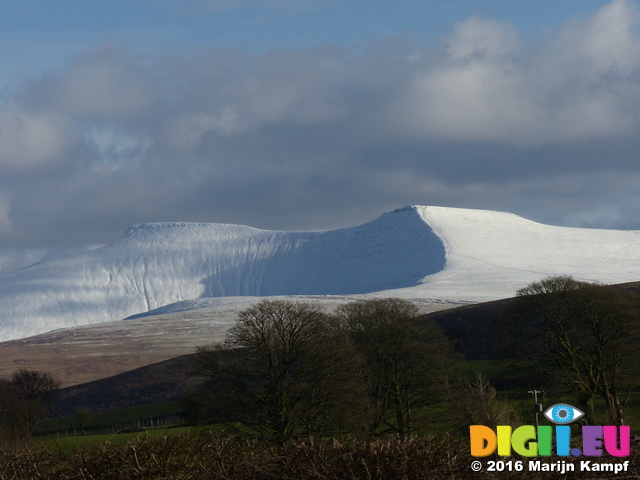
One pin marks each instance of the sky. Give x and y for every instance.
(312, 114)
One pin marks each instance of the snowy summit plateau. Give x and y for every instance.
(427, 254)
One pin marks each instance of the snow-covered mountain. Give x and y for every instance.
(442, 254)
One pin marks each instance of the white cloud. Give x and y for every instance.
(480, 119)
(487, 39)
(30, 141)
(115, 148)
(186, 132)
(478, 92)
(608, 40)
(478, 100)
(105, 83)
(581, 82)
(6, 224)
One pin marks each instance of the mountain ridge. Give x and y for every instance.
(440, 254)
(157, 264)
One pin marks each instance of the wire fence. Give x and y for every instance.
(164, 421)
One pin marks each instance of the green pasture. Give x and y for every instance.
(125, 416)
(68, 435)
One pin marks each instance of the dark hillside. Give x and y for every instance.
(470, 326)
(160, 382)
(631, 286)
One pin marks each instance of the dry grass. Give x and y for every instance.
(91, 352)
(205, 456)
(88, 353)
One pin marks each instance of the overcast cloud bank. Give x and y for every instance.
(322, 138)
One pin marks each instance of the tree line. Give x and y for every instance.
(575, 337)
(369, 368)
(24, 399)
(291, 369)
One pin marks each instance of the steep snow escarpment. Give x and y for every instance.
(492, 254)
(161, 263)
(432, 254)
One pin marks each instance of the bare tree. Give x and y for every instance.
(407, 360)
(581, 336)
(475, 401)
(80, 417)
(282, 371)
(24, 400)
(36, 385)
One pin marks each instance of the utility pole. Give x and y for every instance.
(537, 407)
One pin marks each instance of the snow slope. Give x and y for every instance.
(161, 263)
(492, 254)
(426, 253)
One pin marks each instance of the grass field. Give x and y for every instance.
(130, 417)
(192, 452)
(123, 423)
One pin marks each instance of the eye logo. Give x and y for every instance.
(561, 413)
